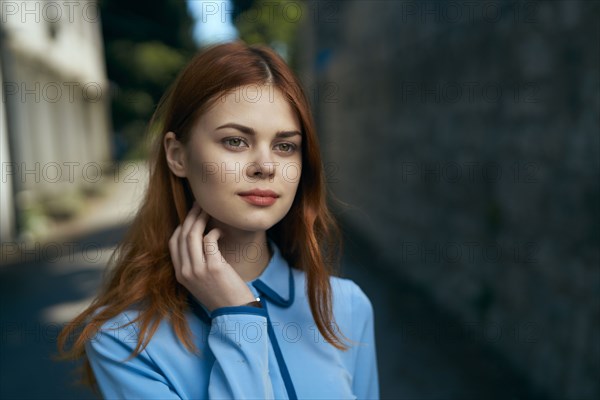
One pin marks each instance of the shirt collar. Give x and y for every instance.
(276, 283)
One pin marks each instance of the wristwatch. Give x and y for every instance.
(255, 303)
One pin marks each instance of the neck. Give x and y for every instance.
(247, 252)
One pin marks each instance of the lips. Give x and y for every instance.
(259, 193)
(259, 197)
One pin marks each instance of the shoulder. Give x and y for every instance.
(349, 290)
(121, 329)
(127, 317)
(345, 292)
(348, 295)
(349, 300)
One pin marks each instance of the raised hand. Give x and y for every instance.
(200, 267)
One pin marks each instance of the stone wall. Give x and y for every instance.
(465, 138)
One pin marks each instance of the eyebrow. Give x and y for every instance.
(249, 131)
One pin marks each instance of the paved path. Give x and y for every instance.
(45, 284)
(418, 358)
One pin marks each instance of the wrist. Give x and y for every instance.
(255, 303)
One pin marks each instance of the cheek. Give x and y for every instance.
(202, 174)
(214, 181)
(291, 172)
(202, 164)
(222, 175)
(212, 195)
(206, 179)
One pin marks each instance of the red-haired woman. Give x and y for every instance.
(224, 286)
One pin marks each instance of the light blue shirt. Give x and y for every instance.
(275, 352)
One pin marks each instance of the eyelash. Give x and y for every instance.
(293, 147)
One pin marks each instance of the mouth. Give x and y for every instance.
(259, 197)
(260, 193)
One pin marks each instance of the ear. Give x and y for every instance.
(175, 153)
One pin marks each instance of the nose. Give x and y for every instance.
(262, 165)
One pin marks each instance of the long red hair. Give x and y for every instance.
(143, 276)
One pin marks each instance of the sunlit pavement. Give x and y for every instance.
(39, 294)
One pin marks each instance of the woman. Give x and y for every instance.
(224, 286)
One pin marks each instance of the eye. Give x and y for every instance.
(288, 147)
(234, 142)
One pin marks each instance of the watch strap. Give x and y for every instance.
(255, 303)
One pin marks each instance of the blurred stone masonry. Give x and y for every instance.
(442, 86)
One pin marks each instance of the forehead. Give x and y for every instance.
(263, 107)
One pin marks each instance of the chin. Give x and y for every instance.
(249, 224)
(256, 226)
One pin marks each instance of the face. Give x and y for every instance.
(250, 139)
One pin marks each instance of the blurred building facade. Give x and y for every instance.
(55, 122)
(464, 136)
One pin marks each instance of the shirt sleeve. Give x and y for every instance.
(366, 377)
(238, 339)
(240, 343)
(137, 378)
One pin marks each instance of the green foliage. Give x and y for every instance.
(157, 63)
(274, 23)
(146, 44)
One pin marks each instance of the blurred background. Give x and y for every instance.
(462, 136)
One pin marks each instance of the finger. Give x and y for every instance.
(174, 249)
(190, 219)
(211, 248)
(184, 255)
(195, 240)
